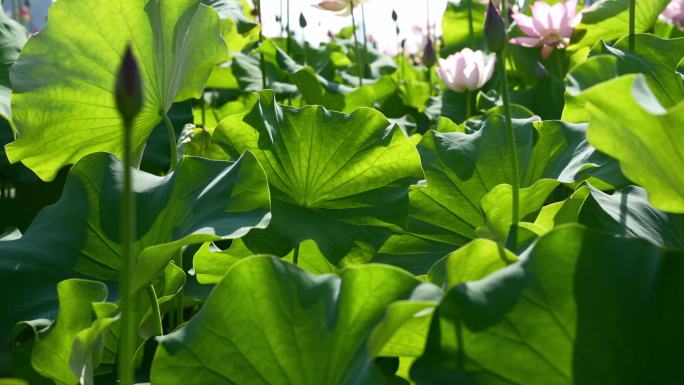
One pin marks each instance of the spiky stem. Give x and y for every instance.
(512, 147)
(471, 29)
(156, 314)
(632, 25)
(295, 257)
(128, 230)
(364, 58)
(172, 141)
(356, 43)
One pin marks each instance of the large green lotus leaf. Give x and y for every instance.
(462, 168)
(629, 124)
(63, 103)
(628, 213)
(298, 329)
(340, 180)
(581, 308)
(455, 27)
(655, 58)
(609, 19)
(78, 236)
(70, 352)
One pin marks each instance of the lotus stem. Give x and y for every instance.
(288, 32)
(364, 59)
(632, 25)
(172, 141)
(156, 314)
(179, 297)
(469, 103)
(512, 148)
(471, 30)
(128, 230)
(295, 257)
(16, 7)
(282, 28)
(504, 12)
(460, 357)
(559, 63)
(356, 43)
(262, 62)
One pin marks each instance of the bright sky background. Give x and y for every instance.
(378, 18)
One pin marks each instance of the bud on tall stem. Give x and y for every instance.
(496, 37)
(129, 101)
(494, 29)
(129, 89)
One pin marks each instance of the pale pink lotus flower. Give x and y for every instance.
(341, 7)
(466, 70)
(416, 41)
(550, 26)
(674, 14)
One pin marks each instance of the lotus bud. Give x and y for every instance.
(429, 54)
(494, 29)
(129, 88)
(302, 21)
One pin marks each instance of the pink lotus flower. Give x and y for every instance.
(416, 41)
(341, 7)
(466, 70)
(674, 13)
(549, 26)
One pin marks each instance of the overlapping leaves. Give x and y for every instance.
(201, 201)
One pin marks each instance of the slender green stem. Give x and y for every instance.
(632, 25)
(128, 230)
(460, 357)
(356, 43)
(288, 44)
(559, 63)
(172, 141)
(156, 314)
(282, 28)
(17, 10)
(504, 12)
(204, 112)
(428, 77)
(469, 103)
(262, 61)
(364, 58)
(295, 257)
(471, 30)
(179, 297)
(512, 147)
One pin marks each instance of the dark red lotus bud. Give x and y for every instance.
(429, 54)
(494, 29)
(129, 87)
